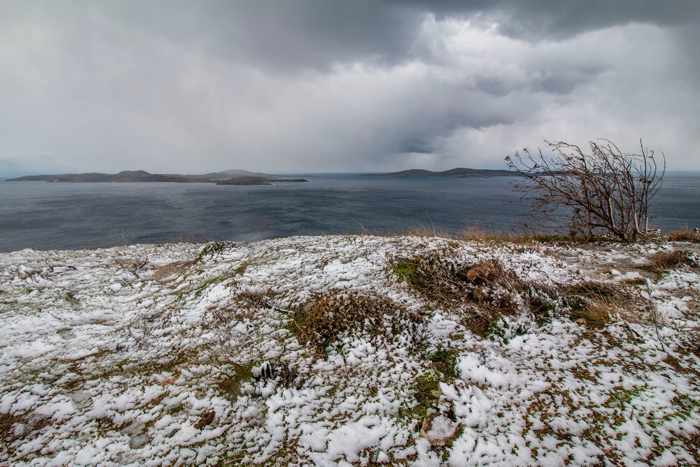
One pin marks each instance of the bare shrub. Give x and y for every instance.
(607, 192)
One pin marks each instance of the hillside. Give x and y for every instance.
(351, 350)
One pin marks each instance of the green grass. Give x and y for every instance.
(211, 249)
(426, 394)
(405, 271)
(445, 361)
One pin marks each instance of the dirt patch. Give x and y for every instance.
(14, 427)
(205, 419)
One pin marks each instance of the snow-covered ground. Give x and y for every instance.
(146, 355)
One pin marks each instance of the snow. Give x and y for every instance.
(103, 364)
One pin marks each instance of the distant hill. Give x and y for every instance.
(227, 177)
(458, 172)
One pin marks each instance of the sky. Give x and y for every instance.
(317, 85)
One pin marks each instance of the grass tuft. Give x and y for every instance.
(211, 249)
(71, 298)
(321, 321)
(482, 292)
(668, 260)
(595, 303)
(685, 235)
(445, 361)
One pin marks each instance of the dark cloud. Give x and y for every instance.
(321, 85)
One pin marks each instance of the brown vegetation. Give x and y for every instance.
(685, 235)
(326, 317)
(595, 303)
(167, 270)
(482, 292)
(606, 191)
(667, 260)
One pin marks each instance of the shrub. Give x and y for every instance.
(606, 191)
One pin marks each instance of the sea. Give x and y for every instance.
(41, 215)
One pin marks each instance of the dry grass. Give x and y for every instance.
(478, 235)
(438, 279)
(29, 425)
(325, 318)
(595, 303)
(596, 314)
(667, 260)
(475, 234)
(685, 235)
(167, 270)
(481, 292)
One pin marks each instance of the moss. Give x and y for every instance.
(425, 394)
(405, 271)
(70, 298)
(620, 397)
(445, 361)
(426, 391)
(501, 330)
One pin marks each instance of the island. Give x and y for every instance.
(458, 172)
(227, 177)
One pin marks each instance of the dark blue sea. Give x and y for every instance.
(44, 215)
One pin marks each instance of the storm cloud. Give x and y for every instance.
(313, 85)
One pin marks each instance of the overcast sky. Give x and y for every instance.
(319, 85)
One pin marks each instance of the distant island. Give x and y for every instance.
(459, 172)
(227, 177)
(240, 177)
